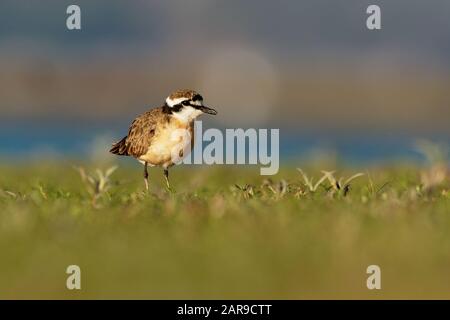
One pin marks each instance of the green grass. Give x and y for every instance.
(213, 239)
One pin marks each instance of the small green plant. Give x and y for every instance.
(309, 182)
(277, 189)
(7, 193)
(247, 191)
(341, 185)
(96, 184)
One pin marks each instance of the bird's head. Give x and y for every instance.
(186, 105)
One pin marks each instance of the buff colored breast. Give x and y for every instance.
(170, 144)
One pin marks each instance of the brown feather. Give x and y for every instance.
(140, 134)
(119, 148)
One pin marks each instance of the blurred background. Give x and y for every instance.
(310, 68)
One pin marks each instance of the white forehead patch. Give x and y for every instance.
(172, 102)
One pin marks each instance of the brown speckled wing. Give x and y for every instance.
(142, 131)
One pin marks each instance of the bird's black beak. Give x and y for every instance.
(208, 110)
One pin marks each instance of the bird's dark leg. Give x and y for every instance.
(146, 176)
(166, 175)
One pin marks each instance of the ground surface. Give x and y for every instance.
(223, 233)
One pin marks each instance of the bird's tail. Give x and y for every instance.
(120, 148)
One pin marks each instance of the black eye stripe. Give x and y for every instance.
(188, 103)
(177, 107)
(167, 109)
(195, 106)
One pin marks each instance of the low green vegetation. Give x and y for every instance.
(225, 232)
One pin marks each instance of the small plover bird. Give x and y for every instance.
(154, 137)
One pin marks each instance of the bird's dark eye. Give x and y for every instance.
(185, 103)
